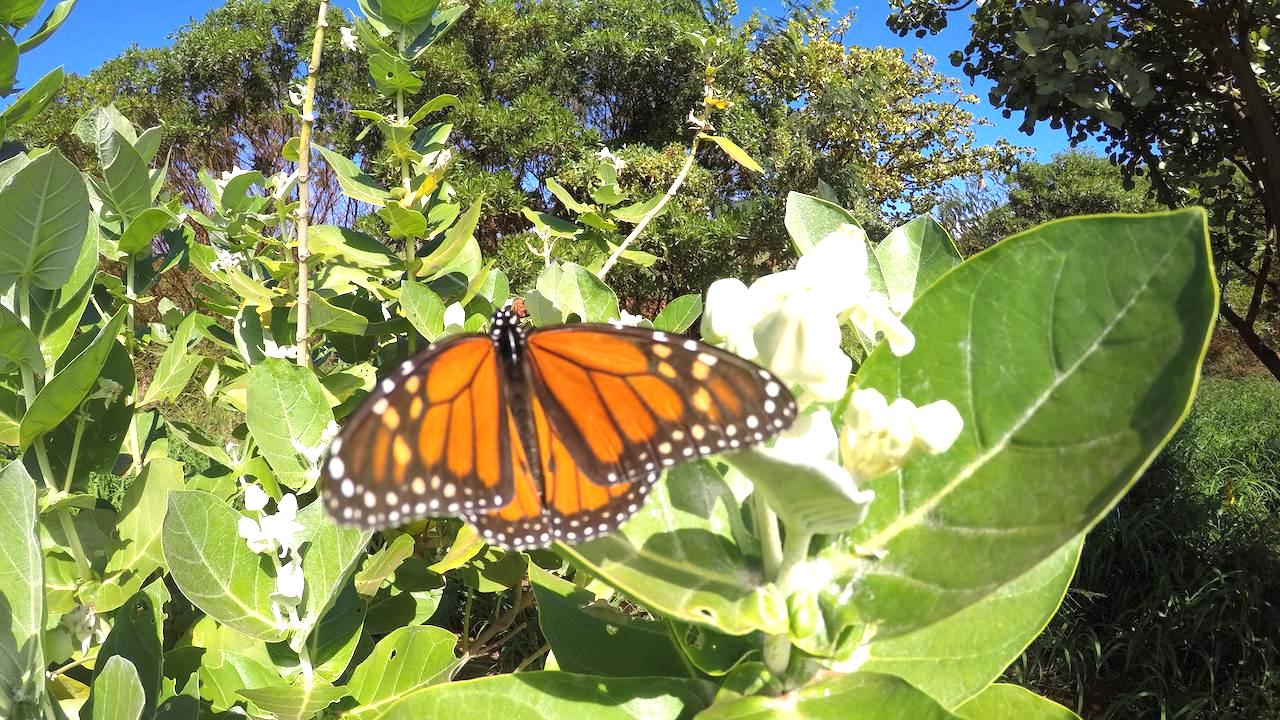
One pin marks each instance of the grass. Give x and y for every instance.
(1172, 614)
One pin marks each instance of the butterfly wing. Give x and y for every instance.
(627, 402)
(430, 439)
(569, 506)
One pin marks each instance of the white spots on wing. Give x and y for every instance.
(347, 488)
(731, 430)
(370, 499)
(772, 389)
(379, 406)
(690, 345)
(770, 406)
(336, 467)
(753, 422)
(392, 498)
(707, 359)
(698, 432)
(664, 448)
(677, 435)
(388, 385)
(336, 446)
(418, 486)
(406, 367)
(659, 336)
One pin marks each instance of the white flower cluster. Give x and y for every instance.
(348, 39)
(271, 533)
(85, 627)
(790, 322)
(606, 156)
(225, 260)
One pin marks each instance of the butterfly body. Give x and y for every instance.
(543, 435)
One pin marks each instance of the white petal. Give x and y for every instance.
(937, 425)
(255, 498)
(455, 314)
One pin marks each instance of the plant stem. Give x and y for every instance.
(77, 549)
(75, 452)
(406, 181)
(304, 183)
(777, 648)
(644, 221)
(130, 280)
(29, 389)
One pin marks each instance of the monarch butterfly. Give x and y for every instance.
(551, 434)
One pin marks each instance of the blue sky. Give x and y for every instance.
(100, 29)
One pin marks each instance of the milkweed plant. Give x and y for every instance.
(963, 423)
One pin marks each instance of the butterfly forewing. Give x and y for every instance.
(628, 402)
(430, 439)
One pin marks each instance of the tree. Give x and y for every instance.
(1187, 93)
(1072, 183)
(542, 85)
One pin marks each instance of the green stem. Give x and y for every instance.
(77, 549)
(130, 280)
(406, 181)
(75, 452)
(29, 388)
(777, 648)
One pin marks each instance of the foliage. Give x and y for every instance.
(541, 86)
(1072, 183)
(836, 572)
(1170, 612)
(1185, 93)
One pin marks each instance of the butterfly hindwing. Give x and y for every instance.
(573, 507)
(428, 440)
(628, 402)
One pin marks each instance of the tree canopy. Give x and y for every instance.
(544, 84)
(1185, 92)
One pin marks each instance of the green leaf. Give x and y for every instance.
(214, 567)
(913, 256)
(286, 403)
(295, 702)
(71, 384)
(587, 636)
(393, 75)
(330, 555)
(118, 691)
(438, 102)
(101, 421)
(635, 212)
(8, 62)
(408, 17)
(55, 314)
(405, 223)
(678, 557)
(1091, 332)
(860, 696)
(819, 496)
(956, 658)
(423, 308)
(455, 239)
(558, 227)
(139, 525)
(178, 363)
(732, 149)
(223, 674)
(325, 316)
(128, 181)
(440, 24)
(236, 195)
(810, 219)
(679, 314)
(406, 660)
(334, 641)
(1010, 702)
(46, 210)
(571, 290)
(351, 247)
(549, 695)
(565, 197)
(382, 564)
(18, 346)
(355, 183)
(21, 588)
(35, 99)
(135, 637)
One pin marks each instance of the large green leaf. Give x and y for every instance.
(423, 308)
(21, 589)
(57, 16)
(913, 256)
(352, 247)
(295, 702)
(223, 673)
(286, 403)
(331, 554)
(45, 207)
(18, 346)
(55, 314)
(406, 660)
(588, 637)
(455, 240)
(353, 180)
(860, 696)
(380, 565)
(568, 290)
(549, 695)
(135, 636)
(8, 61)
(178, 363)
(214, 567)
(956, 658)
(679, 314)
(36, 98)
(127, 179)
(139, 525)
(1010, 702)
(118, 692)
(142, 230)
(678, 557)
(101, 422)
(68, 388)
(1072, 352)
(809, 219)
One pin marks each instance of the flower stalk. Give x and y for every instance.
(304, 183)
(654, 212)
